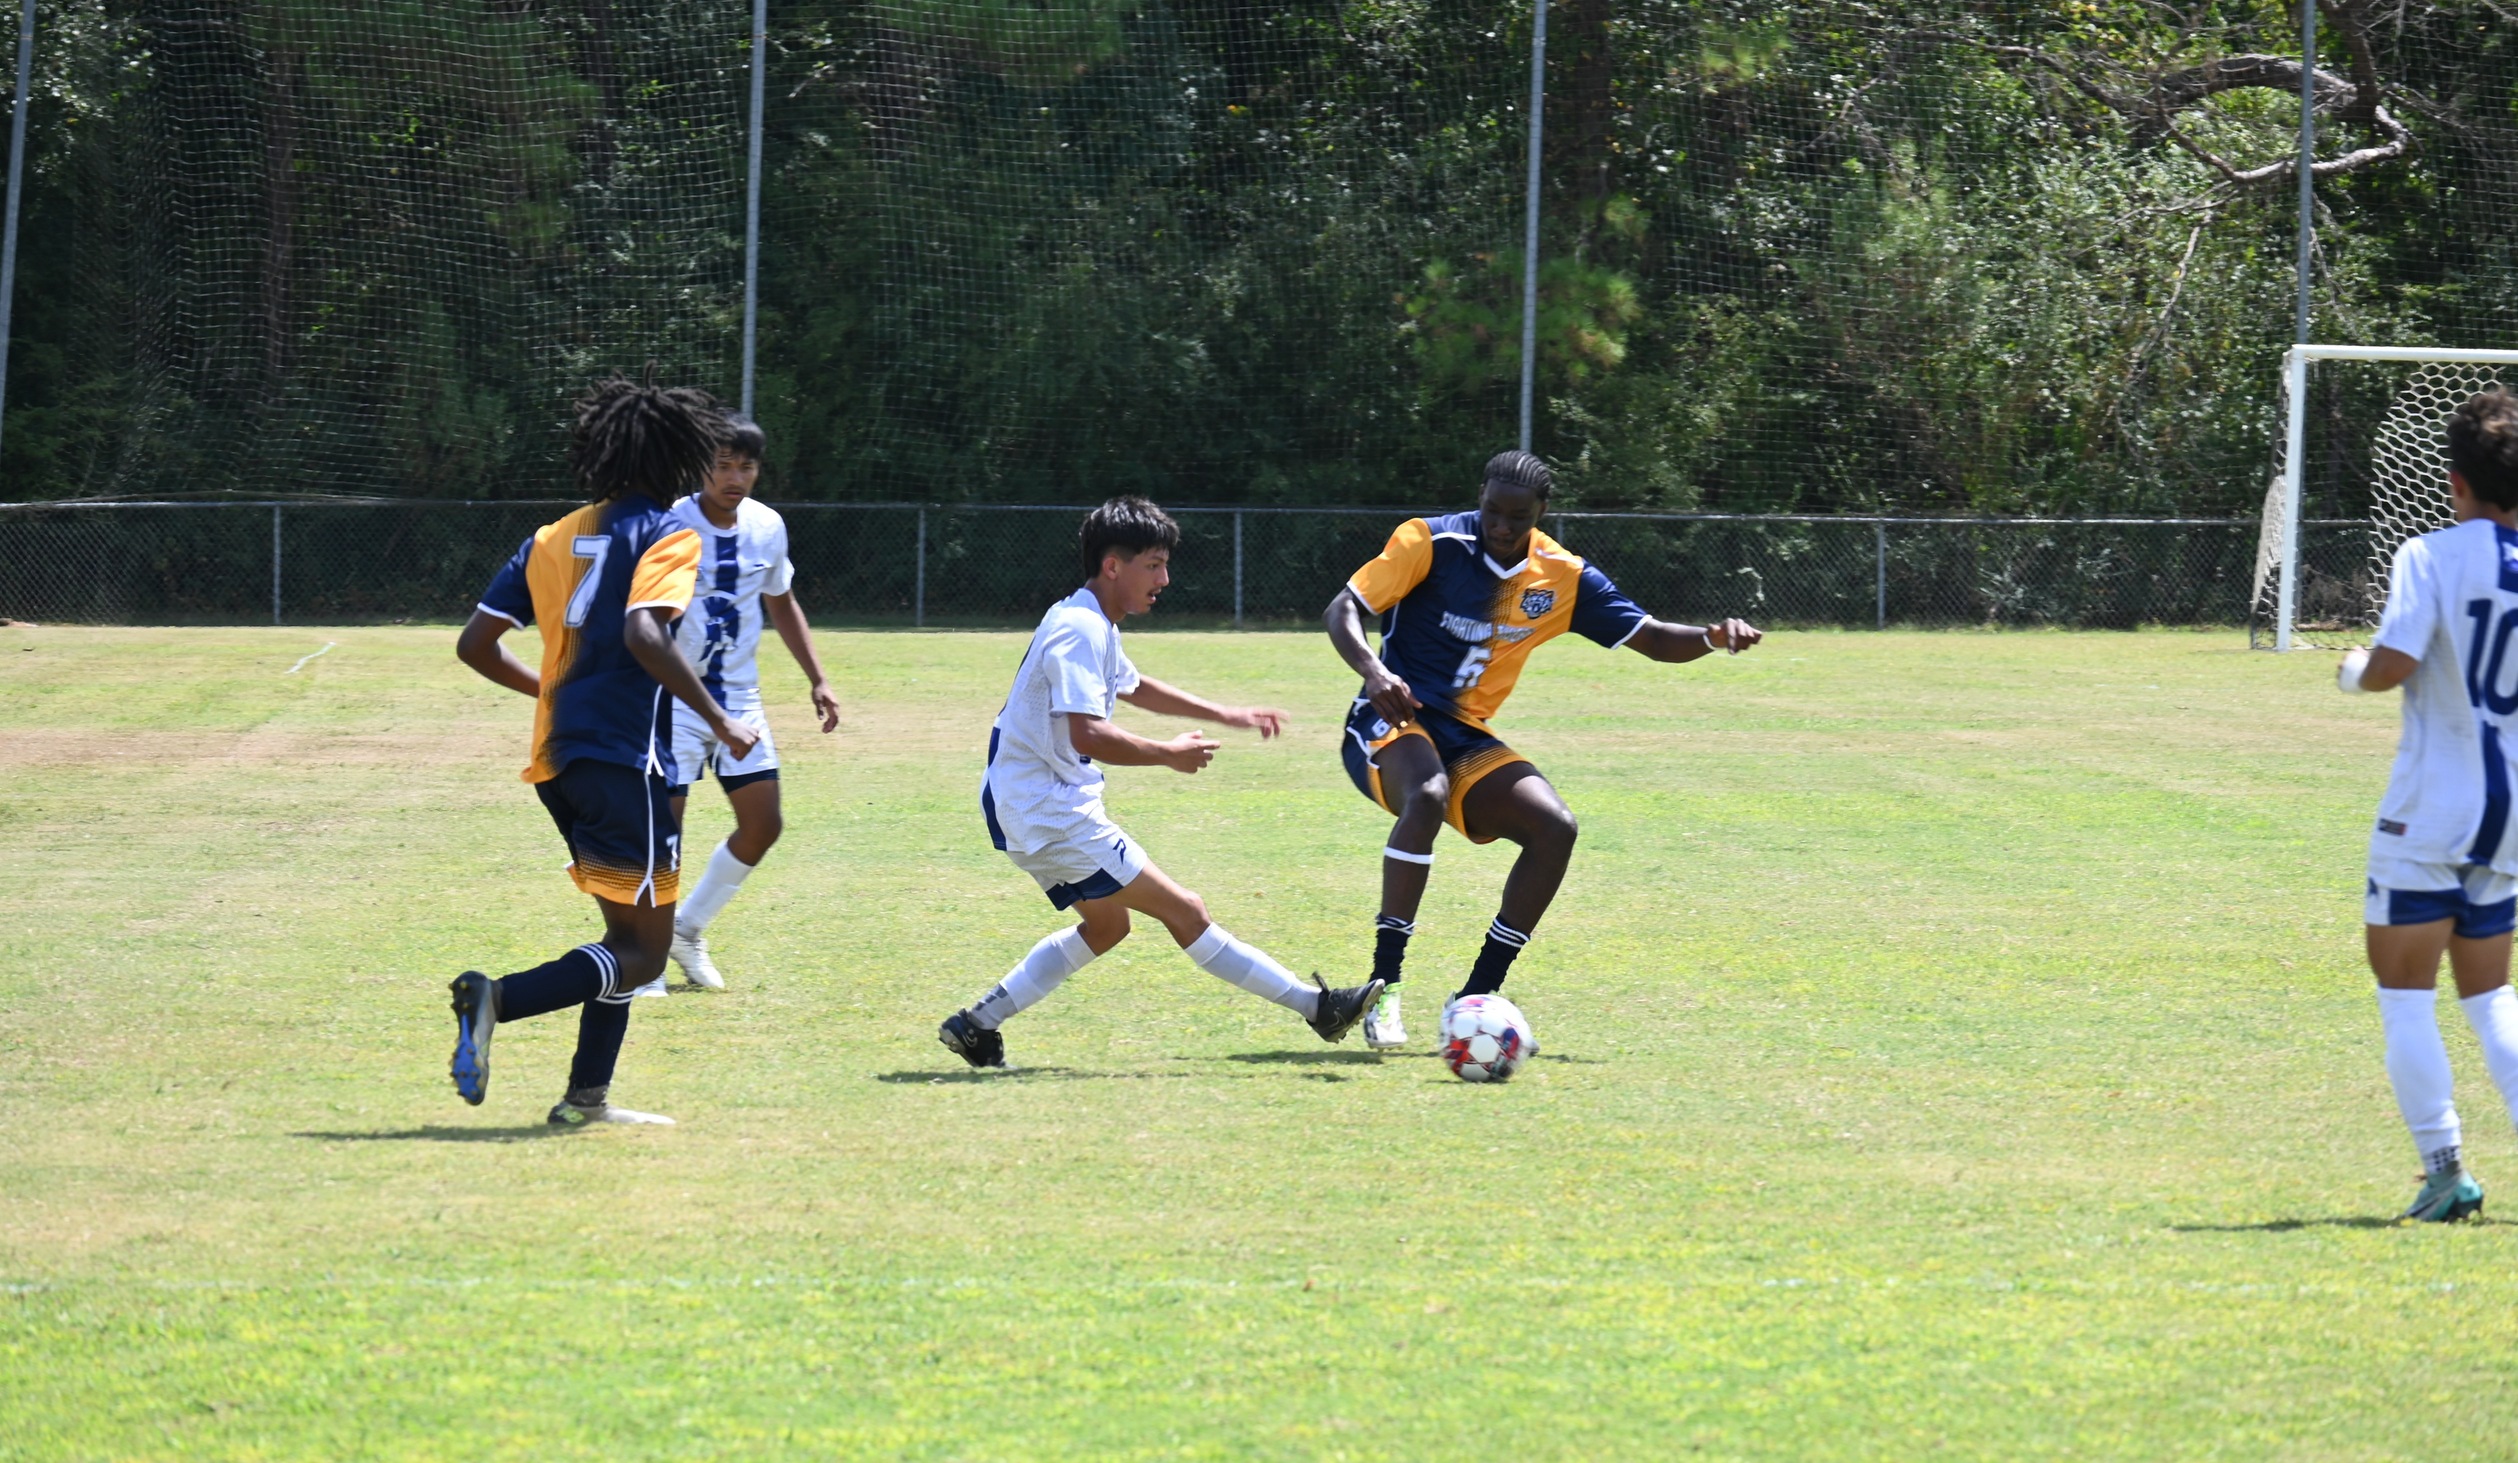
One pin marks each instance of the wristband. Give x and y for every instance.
(2347, 676)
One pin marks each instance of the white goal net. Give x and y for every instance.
(2317, 588)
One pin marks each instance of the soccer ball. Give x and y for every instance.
(1486, 1038)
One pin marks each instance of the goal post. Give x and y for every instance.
(2407, 481)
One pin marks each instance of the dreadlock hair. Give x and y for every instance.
(1522, 470)
(2483, 446)
(638, 437)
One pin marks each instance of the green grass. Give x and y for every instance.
(1955, 1044)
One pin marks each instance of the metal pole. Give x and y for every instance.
(2307, 166)
(17, 175)
(918, 600)
(752, 201)
(1237, 571)
(1530, 229)
(2295, 448)
(1879, 533)
(275, 563)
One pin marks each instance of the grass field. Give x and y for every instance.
(1954, 1044)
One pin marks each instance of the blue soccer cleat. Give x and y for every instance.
(2446, 1197)
(476, 1016)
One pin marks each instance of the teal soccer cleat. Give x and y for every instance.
(2446, 1197)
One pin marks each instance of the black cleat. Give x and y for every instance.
(476, 1016)
(1341, 1009)
(968, 1040)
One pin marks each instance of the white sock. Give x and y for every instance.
(2494, 1017)
(1248, 966)
(2417, 1063)
(1033, 976)
(724, 875)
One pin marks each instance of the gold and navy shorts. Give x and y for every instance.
(624, 845)
(1468, 754)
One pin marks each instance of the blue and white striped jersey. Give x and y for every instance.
(2452, 604)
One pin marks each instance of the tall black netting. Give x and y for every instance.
(369, 248)
(1945, 256)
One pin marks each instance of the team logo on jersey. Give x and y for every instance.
(1537, 602)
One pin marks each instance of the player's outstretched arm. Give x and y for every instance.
(649, 635)
(1389, 694)
(1104, 741)
(1152, 695)
(788, 616)
(1679, 644)
(482, 647)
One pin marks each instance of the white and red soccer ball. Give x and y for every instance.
(1486, 1038)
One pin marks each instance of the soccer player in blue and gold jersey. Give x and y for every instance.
(1463, 599)
(605, 584)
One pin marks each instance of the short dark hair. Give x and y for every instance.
(2483, 446)
(638, 437)
(1518, 469)
(743, 437)
(1126, 526)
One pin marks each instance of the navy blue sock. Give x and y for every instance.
(600, 1027)
(1495, 960)
(581, 975)
(1390, 947)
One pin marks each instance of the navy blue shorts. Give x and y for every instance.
(1468, 754)
(623, 843)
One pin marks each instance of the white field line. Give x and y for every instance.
(301, 660)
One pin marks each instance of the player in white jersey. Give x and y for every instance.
(744, 578)
(2443, 858)
(1041, 795)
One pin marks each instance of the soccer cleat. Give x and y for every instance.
(1341, 1009)
(690, 951)
(972, 1042)
(1382, 1030)
(2449, 1195)
(568, 1114)
(476, 1016)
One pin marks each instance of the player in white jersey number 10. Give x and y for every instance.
(2443, 858)
(745, 581)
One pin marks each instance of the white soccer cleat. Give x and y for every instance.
(652, 988)
(570, 1115)
(690, 951)
(1382, 1030)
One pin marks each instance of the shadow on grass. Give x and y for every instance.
(439, 1135)
(1006, 1074)
(1307, 1058)
(2332, 1221)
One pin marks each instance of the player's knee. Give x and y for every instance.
(764, 830)
(1555, 830)
(1426, 801)
(1193, 915)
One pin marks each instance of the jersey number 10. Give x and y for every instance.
(2483, 671)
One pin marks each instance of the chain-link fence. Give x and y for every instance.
(998, 565)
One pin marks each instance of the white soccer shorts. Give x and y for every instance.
(1092, 861)
(2482, 901)
(696, 748)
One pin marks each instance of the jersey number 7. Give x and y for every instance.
(595, 547)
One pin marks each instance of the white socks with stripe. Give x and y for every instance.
(724, 875)
(2494, 1017)
(1247, 966)
(2417, 1065)
(1034, 976)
